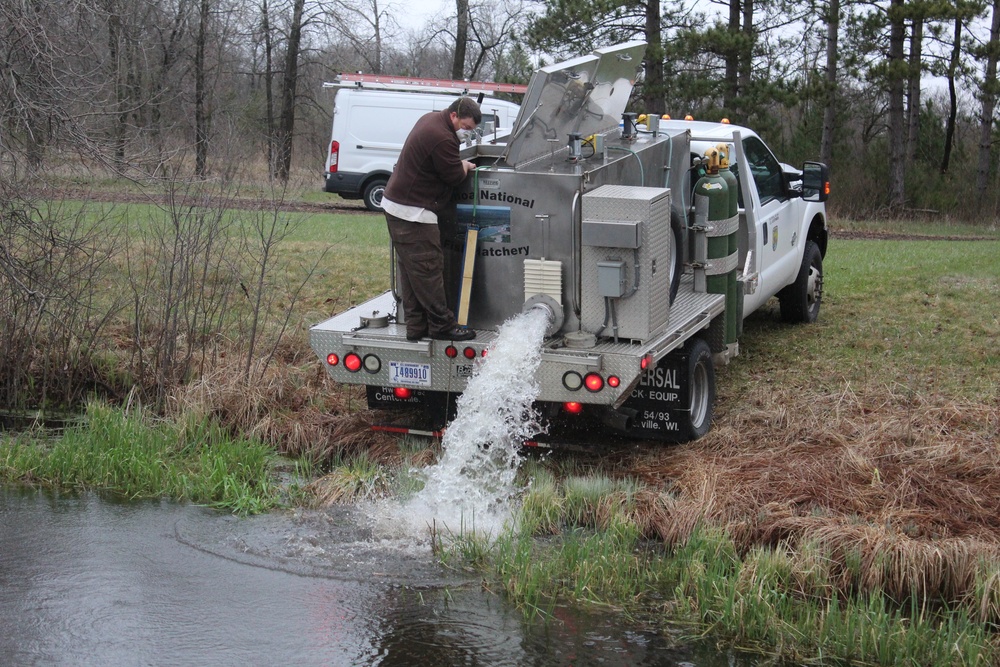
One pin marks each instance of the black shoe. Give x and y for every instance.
(455, 334)
(413, 339)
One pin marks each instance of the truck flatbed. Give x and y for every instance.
(691, 312)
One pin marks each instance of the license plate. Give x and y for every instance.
(408, 372)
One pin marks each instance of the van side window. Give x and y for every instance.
(765, 169)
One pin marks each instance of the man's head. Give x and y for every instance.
(465, 114)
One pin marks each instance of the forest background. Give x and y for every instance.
(897, 96)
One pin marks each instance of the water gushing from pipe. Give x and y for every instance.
(472, 486)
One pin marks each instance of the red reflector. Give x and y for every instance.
(573, 407)
(352, 362)
(469, 353)
(593, 382)
(644, 364)
(484, 351)
(451, 352)
(613, 381)
(332, 359)
(402, 393)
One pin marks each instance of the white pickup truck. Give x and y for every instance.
(644, 264)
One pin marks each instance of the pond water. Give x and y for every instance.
(86, 580)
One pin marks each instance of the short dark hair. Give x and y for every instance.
(466, 107)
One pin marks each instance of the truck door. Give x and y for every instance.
(777, 233)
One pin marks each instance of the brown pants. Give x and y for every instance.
(420, 276)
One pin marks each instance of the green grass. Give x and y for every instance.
(912, 314)
(773, 600)
(130, 456)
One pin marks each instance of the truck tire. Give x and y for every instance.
(373, 195)
(701, 390)
(800, 301)
(676, 267)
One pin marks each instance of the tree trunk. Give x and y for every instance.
(288, 85)
(913, 94)
(830, 108)
(461, 39)
(989, 100)
(746, 48)
(652, 86)
(949, 133)
(272, 167)
(116, 56)
(733, 52)
(897, 116)
(200, 115)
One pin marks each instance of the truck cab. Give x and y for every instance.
(781, 210)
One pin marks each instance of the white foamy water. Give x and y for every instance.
(472, 486)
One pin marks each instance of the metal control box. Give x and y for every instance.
(642, 309)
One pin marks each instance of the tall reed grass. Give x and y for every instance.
(783, 600)
(129, 454)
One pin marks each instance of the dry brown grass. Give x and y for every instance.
(900, 490)
(296, 408)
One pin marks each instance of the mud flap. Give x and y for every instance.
(661, 404)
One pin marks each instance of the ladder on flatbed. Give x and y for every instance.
(389, 82)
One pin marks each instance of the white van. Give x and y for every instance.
(370, 126)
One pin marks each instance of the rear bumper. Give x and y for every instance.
(344, 184)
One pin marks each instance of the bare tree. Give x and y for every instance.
(365, 25)
(897, 77)
(830, 80)
(988, 97)
(461, 38)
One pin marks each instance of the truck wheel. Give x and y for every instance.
(701, 389)
(800, 301)
(373, 195)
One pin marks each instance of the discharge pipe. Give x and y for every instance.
(553, 311)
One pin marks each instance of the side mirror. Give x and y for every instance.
(815, 182)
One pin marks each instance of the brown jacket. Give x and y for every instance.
(429, 165)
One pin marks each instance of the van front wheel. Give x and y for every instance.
(373, 195)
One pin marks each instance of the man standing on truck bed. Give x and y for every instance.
(418, 191)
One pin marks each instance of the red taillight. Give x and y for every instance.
(469, 353)
(402, 393)
(613, 381)
(592, 381)
(644, 363)
(334, 156)
(451, 352)
(332, 359)
(352, 362)
(573, 407)
(485, 350)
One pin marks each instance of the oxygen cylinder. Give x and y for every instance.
(735, 295)
(720, 276)
(730, 178)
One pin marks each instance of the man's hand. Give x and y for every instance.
(468, 166)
